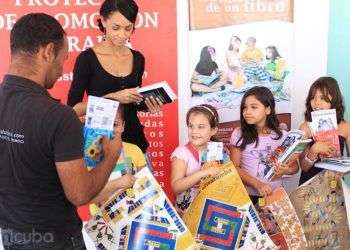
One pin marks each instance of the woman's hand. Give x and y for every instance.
(154, 105)
(126, 96)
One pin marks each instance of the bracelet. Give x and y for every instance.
(309, 160)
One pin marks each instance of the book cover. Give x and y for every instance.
(319, 204)
(346, 193)
(339, 164)
(222, 215)
(99, 122)
(291, 146)
(160, 90)
(141, 217)
(281, 221)
(324, 128)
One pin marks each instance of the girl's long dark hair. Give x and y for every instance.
(275, 54)
(206, 65)
(249, 132)
(328, 86)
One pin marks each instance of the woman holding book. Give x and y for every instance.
(324, 94)
(113, 70)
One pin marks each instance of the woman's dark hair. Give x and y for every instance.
(230, 47)
(206, 65)
(274, 53)
(34, 30)
(329, 87)
(209, 111)
(249, 131)
(128, 8)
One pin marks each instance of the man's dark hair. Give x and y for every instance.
(34, 30)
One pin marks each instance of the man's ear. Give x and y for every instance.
(48, 52)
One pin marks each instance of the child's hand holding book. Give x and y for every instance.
(323, 148)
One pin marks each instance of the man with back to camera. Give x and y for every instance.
(42, 173)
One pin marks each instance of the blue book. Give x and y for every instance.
(99, 122)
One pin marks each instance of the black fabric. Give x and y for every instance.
(35, 132)
(90, 77)
(305, 176)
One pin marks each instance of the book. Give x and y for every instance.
(292, 146)
(214, 152)
(324, 128)
(319, 204)
(208, 80)
(339, 164)
(346, 193)
(222, 215)
(99, 121)
(281, 221)
(161, 90)
(141, 217)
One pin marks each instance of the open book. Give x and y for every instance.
(99, 122)
(208, 80)
(161, 90)
(292, 145)
(324, 128)
(339, 164)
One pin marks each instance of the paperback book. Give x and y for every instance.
(339, 164)
(281, 221)
(99, 122)
(319, 204)
(160, 90)
(292, 146)
(138, 218)
(324, 128)
(222, 215)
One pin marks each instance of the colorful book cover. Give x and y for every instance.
(281, 221)
(291, 146)
(346, 193)
(319, 204)
(99, 122)
(222, 215)
(139, 218)
(324, 128)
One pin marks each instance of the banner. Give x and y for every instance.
(141, 217)
(155, 37)
(223, 216)
(234, 46)
(213, 13)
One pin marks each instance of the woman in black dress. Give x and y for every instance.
(112, 70)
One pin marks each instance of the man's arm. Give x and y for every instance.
(81, 185)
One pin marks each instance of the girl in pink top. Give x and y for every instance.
(202, 122)
(253, 142)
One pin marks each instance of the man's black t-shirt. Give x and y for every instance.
(35, 132)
